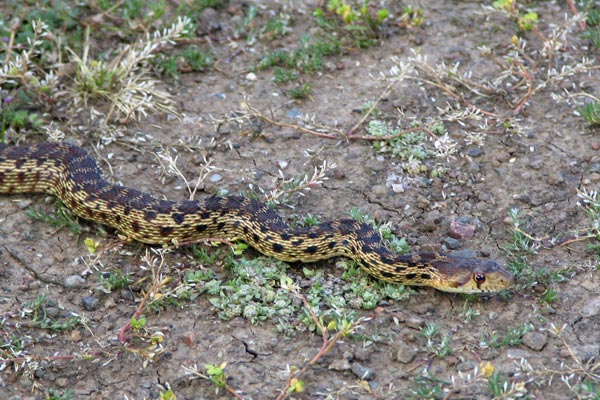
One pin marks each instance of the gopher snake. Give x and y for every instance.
(71, 174)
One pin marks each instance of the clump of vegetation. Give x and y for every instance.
(525, 21)
(362, 23)
(591, 112)
(592, 31)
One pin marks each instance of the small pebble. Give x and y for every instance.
(595, 167)
(53, 312)
(536, 163)
(535, 340)
(214, 178)
(475, 152)
(362, 372)
(282, 164)
(341, 364)
(404, 353)
(74, 281)
(90, 303)
(415, 323)
(62, 382)
(251, 76)
(451, 243)
(23, 204)
(462, 228)
(40, 373)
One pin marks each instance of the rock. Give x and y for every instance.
(90, 303)
(53, 312)
(535, 340)
(404, 353)
(74, 281)
(536, 163)
(62, 382)
(415, 323)
(282, 164)
(591, 308)
(462, 228)
(214, 178)
(475, 152)
(341, 364)
(451, 243)
(362, 372)
(208, 21)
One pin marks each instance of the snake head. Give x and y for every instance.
(469, 275)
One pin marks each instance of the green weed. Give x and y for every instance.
(591, 112)
(512, 337)
(114, 280)
(62, 218)
(36, 311)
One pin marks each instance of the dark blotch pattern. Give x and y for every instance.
(201, 227)
(311, 250)
(135, 226)
(277, 248)
(178, 218)
(166, 230)
(150, 215)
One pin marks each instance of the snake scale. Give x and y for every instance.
(69, 173)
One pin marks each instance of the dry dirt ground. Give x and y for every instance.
(533, 157)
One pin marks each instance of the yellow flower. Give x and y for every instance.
(487, 369)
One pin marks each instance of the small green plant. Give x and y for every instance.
(216, 373)
(525, 21)
(301, 92)
(114, 280)
(36, 311)
(592, 32)
(550, 296)
(282, 75)
(63, 218)
(428, 387)
(410, 147)
(591, 112)
(440, 346)
(206, 256)
(54, 394)
(137, 324)
(497, 384)
(469, 313)
(196, 59)
(360, 22)
(590, 389)
(512, 337)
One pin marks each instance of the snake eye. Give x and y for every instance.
(479, 278)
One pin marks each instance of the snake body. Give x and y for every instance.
(69, 173)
